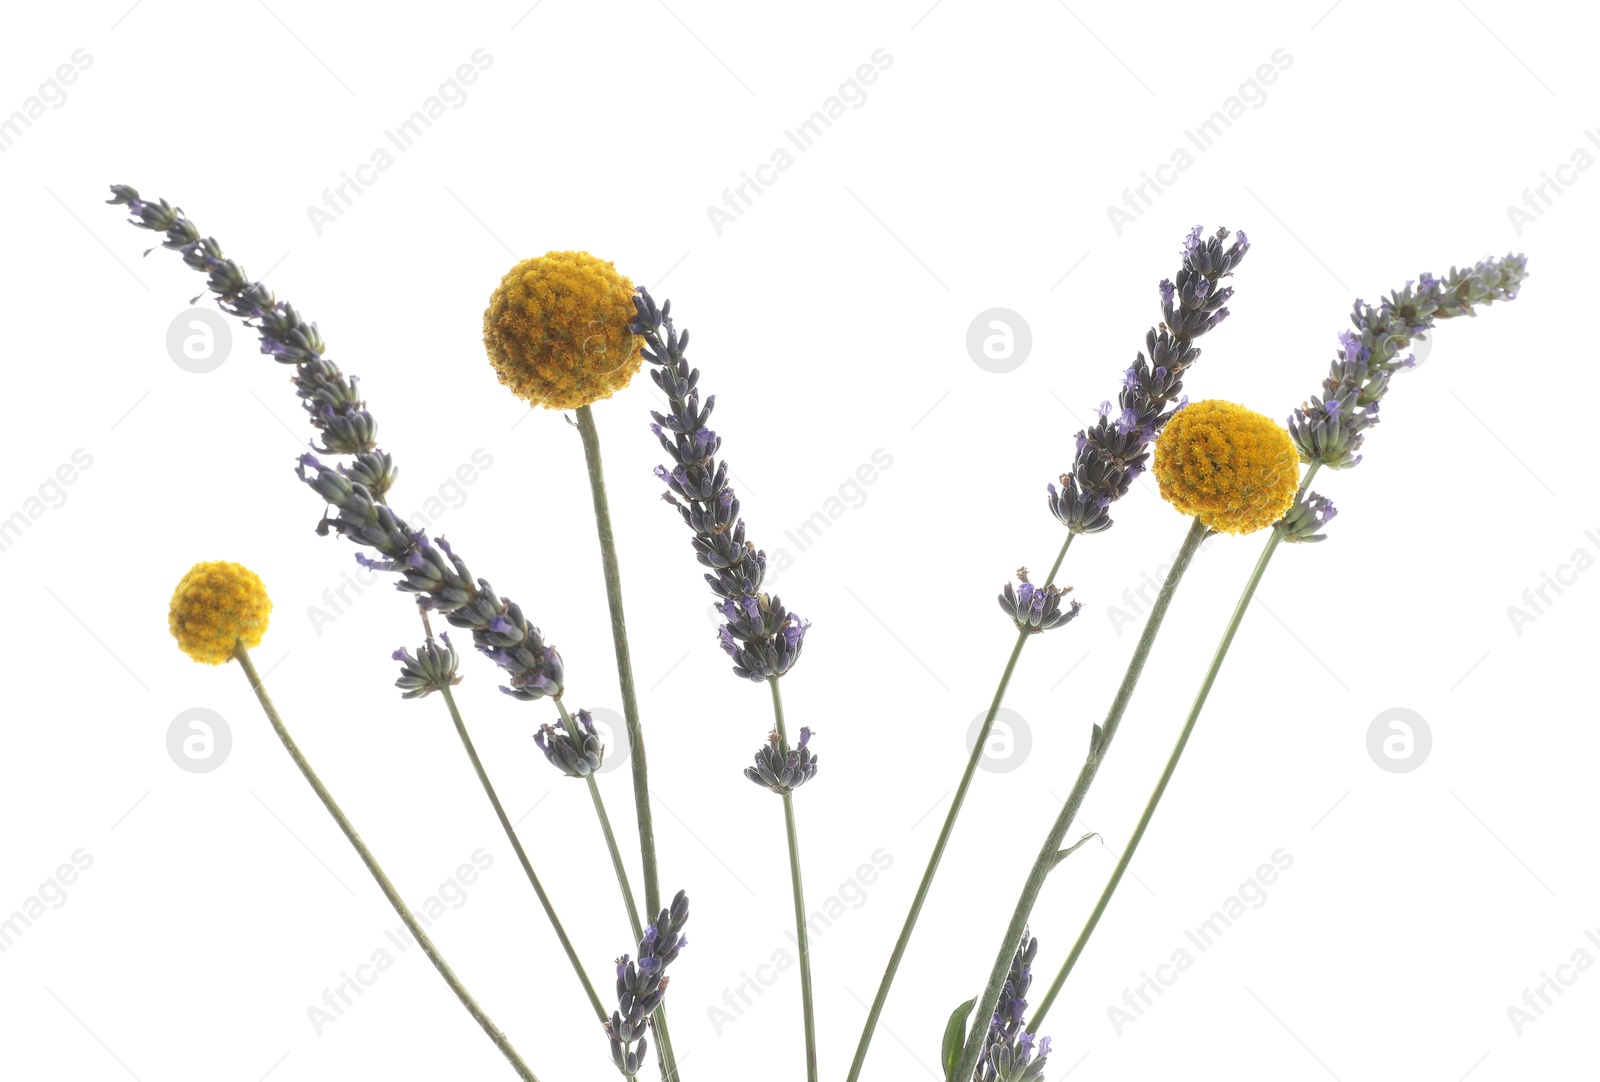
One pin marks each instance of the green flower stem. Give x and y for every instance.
(500, 1040)
(619, 641)
(1098, 745)
(1172, 764)
(630, 704)
(527, 866)
(944, 837)
(802, 936)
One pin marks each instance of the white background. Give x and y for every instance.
(830, 322)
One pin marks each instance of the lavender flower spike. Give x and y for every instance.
(1113, 452)
(1328, 429)
(432, 570)
(1009, 1054)
(761, 636)
(642, 984)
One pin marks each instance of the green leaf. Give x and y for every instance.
(955, 1038)
(1069, 850)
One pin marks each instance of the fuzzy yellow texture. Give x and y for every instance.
(557, 330)
(1234, 469)
(216, 605)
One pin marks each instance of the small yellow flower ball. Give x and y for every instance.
(216, 605)
(557, 330)
(1234, 469)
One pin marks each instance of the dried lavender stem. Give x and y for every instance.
(944, 837)
(1046, 860)
(501, 1041)
(802, 936)
(522, 856)
(1172, 761)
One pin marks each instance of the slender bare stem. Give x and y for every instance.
(802, 938)
(412, 924)
(522, 857)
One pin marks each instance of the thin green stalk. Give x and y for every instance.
(932, 869)
(630, 703)
(619, 641)
(522, 856)
(500, 1040)
(1098, 745)
(1172, 764)
(802, 936)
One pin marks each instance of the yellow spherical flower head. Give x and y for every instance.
(557, 330)
(1234, 469)
(216, 605)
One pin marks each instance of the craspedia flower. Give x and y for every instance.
(557, 330)
(1232, 468)
(216, 605)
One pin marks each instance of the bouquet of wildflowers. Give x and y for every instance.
(565, 331)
